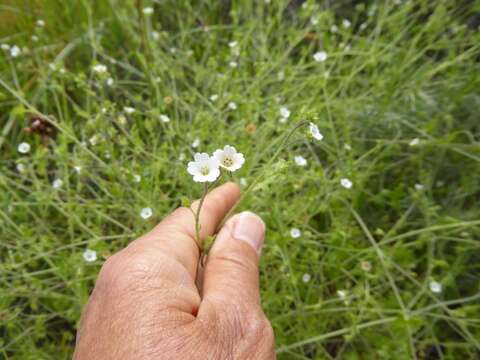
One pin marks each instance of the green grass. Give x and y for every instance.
(412, 71)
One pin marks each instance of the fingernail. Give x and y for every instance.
(250, 228)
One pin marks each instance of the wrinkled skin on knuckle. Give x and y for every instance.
(238, 332)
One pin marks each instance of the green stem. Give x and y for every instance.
(197, 216)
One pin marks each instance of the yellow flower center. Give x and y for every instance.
(227, 161)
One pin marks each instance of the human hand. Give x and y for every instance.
(146, 303)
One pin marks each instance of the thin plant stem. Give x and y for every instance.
(197, 217)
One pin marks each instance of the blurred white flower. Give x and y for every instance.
(347, 147)
(320, 56)
(100, 68)
(23, 148)
(232, 105)
(419, 187)
(414, 142)
(128, 109)
(155, 35)
(146, 213)
(214, 97)
(15, 51)
(137, 178)
(204, 168)
(306, 277)
(78, 169)
(40, 23)
(20, 167)
(164, 118)
(196, 143)
(5, 47)
(363, 26)
(243, 182)
(295, 233)
(342, 294)
(233, 64)
(233, 44)
(334, 29)
(315, 132)
(300, 160)
(435, 287)
(109, 81)
(57, 183)
(284, 112)
(366, 265)
(313, 20)
(346, 23)
(148, 11)
(93, 140)
(346, 183)
(90, 255)
(34, 38)
(181, 157)
(229, 158)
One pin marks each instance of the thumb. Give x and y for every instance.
(231, 273)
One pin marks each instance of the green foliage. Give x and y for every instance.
(402, 70)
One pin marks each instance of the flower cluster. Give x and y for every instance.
(206, 168)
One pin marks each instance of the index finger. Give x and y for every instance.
(175, 235)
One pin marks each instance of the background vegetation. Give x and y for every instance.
(357, 283)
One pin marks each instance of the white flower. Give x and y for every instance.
(204, 168)
(342, 294)
(233, 44)
(214, 97)
(5, 47)
(15, 51)
(34, 38)
(346, 23)
(229, 158)
(137, 178)
(306, 277)
(40, 23)
(23, 148)
(181, 157)
(164, 118)
(233, 64)
(129, 110)
(334, 29)
(419, 187)
(320, 56)
(146, 213)
(284, 112)
(366, 265)
(93, 140)
(313, 20)
(232, 105)
(315, 132)
(243, 182)
(347, 147)
(196, 143)
(57, 183)
(300, 160)
(90, 255)
(155, 35)
(100, 68)
(295, 233)
(110, 81)
(435, 287)
(414, 142)
(346, 183)
(20, 168)
(78, 169)
(148, 11)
